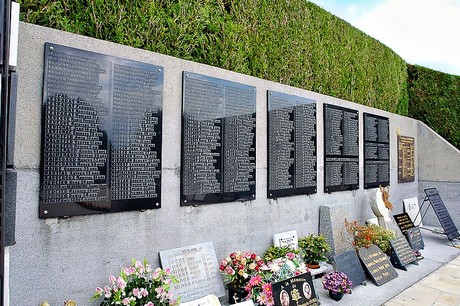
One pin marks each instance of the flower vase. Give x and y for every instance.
(335, 296)
(235, 294)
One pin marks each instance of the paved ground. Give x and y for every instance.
(435, 281)
(442, 287)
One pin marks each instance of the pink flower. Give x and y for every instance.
(254, 281)
(107, 292)
(290, 255)
(112, 279)
(121, 283)
(136, 293)
(230, 270)
(149, 304)
(267, 289)
(159, 290)
(129, 270)
(172, 302)
(99, 291)
(125, 301)
(144, 292)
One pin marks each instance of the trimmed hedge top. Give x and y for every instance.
(291, 42)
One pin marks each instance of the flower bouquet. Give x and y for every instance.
(365, 235)
(337, 283)
(259, 286)
(139, 285)
(239, 266)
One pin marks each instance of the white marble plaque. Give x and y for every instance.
(413, 210)
(209, 300)
(197, 270)
(286, 239)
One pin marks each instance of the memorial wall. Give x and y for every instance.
(106, 132)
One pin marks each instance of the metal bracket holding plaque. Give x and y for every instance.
(402, 253)
(377, 264)
(197, 270)
(218, 140)
(341, 148)
(348, 263)
(376, 151)
(294, 291)
(292, 166)
(434, 200)
(101, 133)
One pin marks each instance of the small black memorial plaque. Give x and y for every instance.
(291, 145)
(402, 253)
(341, 148)
(414, 236)
(376, 151)
(218, 143)
(441, 212)
(197, 270)
(404, 222)
(377, 264)
(294, 291)
(348, 263)
(101, 133)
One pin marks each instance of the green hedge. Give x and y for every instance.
(435, 99)
(292, 42)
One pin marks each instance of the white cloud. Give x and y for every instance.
(423, 32)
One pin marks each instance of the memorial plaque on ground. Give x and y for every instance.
(402, 253)
(101, 133)
(219, 140)
(197, 270)
(294, 291)
(404, 222)
(377, 265)
(348, 263)
(406, 159)
(289, 239)
(341, 148)
(291, 145)
(376, 151)
(414, 236)
(450, 229)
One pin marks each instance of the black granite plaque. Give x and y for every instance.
(341, 148)
(101, 133)
(404, 222)
(294, 291)
(376, 151)
(415, 239)
(291, 145)
(402, 253)
(218, 143)
(348, 263)
(377, 264)
(406, 159)
(450, 229)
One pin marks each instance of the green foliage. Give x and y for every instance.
(292, 42)
(274, 252)
(435, 100)
(314, 248)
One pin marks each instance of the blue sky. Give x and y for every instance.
(422, 32)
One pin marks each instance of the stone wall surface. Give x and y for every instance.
(66, 258)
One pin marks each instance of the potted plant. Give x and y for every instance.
(274, 252)
(314, 248)
(365, 235)
(337, 283)
(237, 269)
(139, 285)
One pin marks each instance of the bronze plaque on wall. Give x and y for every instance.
(291, 145)
(101, 133)
(406, 159)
